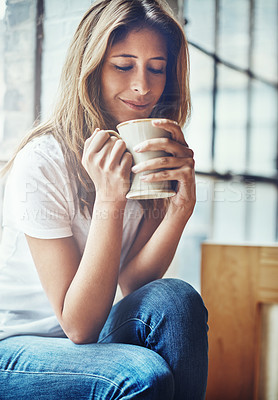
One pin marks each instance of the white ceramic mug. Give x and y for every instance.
(134, 132)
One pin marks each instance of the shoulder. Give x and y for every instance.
(39, 192)
(39, 173)
(41, 150)
(41, 158)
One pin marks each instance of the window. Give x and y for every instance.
(233, 129)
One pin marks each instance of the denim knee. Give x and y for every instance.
(177, 297)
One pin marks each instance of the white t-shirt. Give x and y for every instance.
(41, 200)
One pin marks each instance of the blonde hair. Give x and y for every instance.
(79, 111)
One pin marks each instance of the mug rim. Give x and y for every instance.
(132, 121)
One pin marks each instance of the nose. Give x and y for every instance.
(140, 83)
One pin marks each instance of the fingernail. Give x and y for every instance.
(135, 169)
(137, 148)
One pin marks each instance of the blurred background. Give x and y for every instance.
(234, 125)
(233, 129)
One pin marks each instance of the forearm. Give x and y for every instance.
(153, 260)
(155, 256)
(91, 293)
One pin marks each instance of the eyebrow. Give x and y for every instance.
(132, 56)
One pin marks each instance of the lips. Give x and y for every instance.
(135, 105)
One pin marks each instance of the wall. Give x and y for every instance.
(17, 83)
(60, 21)
(19, 71)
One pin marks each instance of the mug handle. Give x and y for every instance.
(113, 133)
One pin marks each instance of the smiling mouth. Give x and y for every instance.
(135, 105)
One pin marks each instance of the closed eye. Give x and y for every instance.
(119, 68)
(156, 71)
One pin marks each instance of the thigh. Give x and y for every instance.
(55, 368)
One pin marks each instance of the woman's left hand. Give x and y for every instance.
(179, 167)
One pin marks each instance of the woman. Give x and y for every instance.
(70, 236)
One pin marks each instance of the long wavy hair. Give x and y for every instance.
(79, 110)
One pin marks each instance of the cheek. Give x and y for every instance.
(161, 86)
(112, 86)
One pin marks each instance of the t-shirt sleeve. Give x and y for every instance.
(38, 199)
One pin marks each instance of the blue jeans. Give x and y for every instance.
(152, 346)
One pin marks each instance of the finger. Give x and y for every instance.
(118, 149)
(159, 162)
(183, 174)
(94, 133)
(165, 144)
(126, 161)
(98, 141)
(172, 127)
(88, 141)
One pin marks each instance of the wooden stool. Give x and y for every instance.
(235, 282)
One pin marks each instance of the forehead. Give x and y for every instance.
(145, 41)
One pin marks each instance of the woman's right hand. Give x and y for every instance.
(108, 164)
